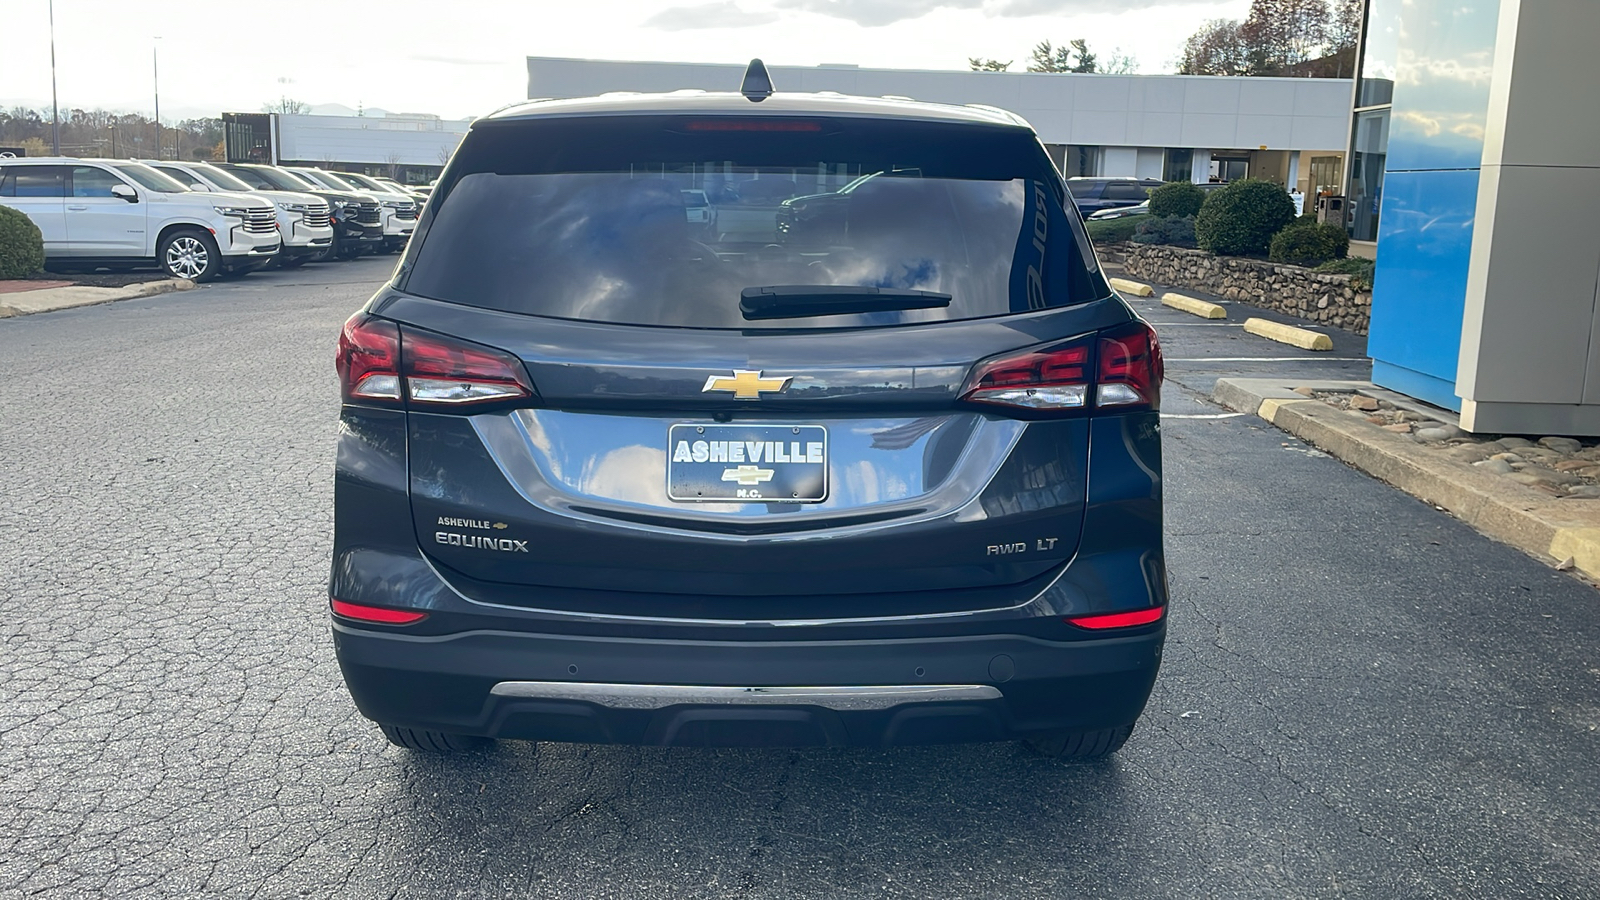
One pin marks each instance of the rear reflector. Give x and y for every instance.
(376, 613)
(1120, 620)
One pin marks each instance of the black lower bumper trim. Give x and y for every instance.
(447, 684)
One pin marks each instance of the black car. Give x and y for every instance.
(1094, 194)
(356, 219)
(896, 482)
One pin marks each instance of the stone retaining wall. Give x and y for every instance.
(1328, 299)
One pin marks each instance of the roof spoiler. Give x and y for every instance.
(757, 84)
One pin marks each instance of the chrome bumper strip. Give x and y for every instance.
(658, 696)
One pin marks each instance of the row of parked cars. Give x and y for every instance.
(200, 220)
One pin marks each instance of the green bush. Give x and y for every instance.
(1359, 270)
(1177, 198)
(1304, 219)
(1309, 245)
(21, 245)
(1173, 231)
(1240, 219)
(1111, 231)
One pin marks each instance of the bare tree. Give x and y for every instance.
(988, 65)
(444, 155)
(393, 160)
(1119, 63)
(287, 107)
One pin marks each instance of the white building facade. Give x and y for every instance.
(1169, 127)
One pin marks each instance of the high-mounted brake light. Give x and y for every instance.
(761, 124)
(447, 371)
(380, 362)
(1120, 620)
(1119, 368)
(377, 614)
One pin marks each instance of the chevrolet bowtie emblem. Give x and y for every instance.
(746, 385)
(747, 475)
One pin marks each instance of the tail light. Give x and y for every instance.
(379, 362)
(1119, 368)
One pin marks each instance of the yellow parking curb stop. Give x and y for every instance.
(1288, 334)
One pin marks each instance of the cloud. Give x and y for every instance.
(726, 14)
(887, 12)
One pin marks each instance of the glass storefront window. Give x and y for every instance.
(1178, 166)
(1381, 57)
(1370, 149)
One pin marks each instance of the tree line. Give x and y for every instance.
(1305, 38)
(1298, 38)
(99, 133)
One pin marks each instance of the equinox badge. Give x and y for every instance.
(746, 385)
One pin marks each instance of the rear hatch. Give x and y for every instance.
(884, 410)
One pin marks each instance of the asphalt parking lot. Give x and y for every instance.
(1361, 697)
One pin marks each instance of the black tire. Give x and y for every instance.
(189, 253)
(293, 262)
(1082, 744)
(432, 741)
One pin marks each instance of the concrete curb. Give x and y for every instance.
(1192, 305)
(51, 299)
(1132, 287)
(1504, 510)
(1288, 334)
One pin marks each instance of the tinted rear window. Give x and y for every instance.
(588, 219)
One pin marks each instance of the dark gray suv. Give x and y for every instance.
(886, 476)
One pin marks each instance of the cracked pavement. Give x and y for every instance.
(1361, 697)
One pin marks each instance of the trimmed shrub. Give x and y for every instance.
(1177, 198)
(1304, 219)
(1112, 231)
(1240, 219)
(1359, 270)
(21, 245)
(1309, 245)
(1173, 231)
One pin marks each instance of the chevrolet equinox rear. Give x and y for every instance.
(887, 474)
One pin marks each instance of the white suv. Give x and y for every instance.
(399, 210)
(122, 215)
(303, 219)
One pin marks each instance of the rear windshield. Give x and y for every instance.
(588, 219)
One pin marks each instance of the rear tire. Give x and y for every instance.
(1081, 744)
(432, 741)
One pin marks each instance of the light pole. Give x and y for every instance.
(155, 77)
(55, 107)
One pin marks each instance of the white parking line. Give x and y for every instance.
(1201, 416)
(1267, 359)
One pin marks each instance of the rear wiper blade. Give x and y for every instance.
(785, 301)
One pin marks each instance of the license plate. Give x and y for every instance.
(747, 463)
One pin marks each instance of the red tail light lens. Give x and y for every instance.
(377, 363)
(1057, 378)
(377, 614)
(1121, 620)
(441, 370)
(369, 359)
(1119, 368)
(1130, 367)
(754, 124)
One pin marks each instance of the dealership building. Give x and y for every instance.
(1170, 127)
(409, 148)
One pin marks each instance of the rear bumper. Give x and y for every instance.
(590, 689)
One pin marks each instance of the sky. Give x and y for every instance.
(463, 58)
